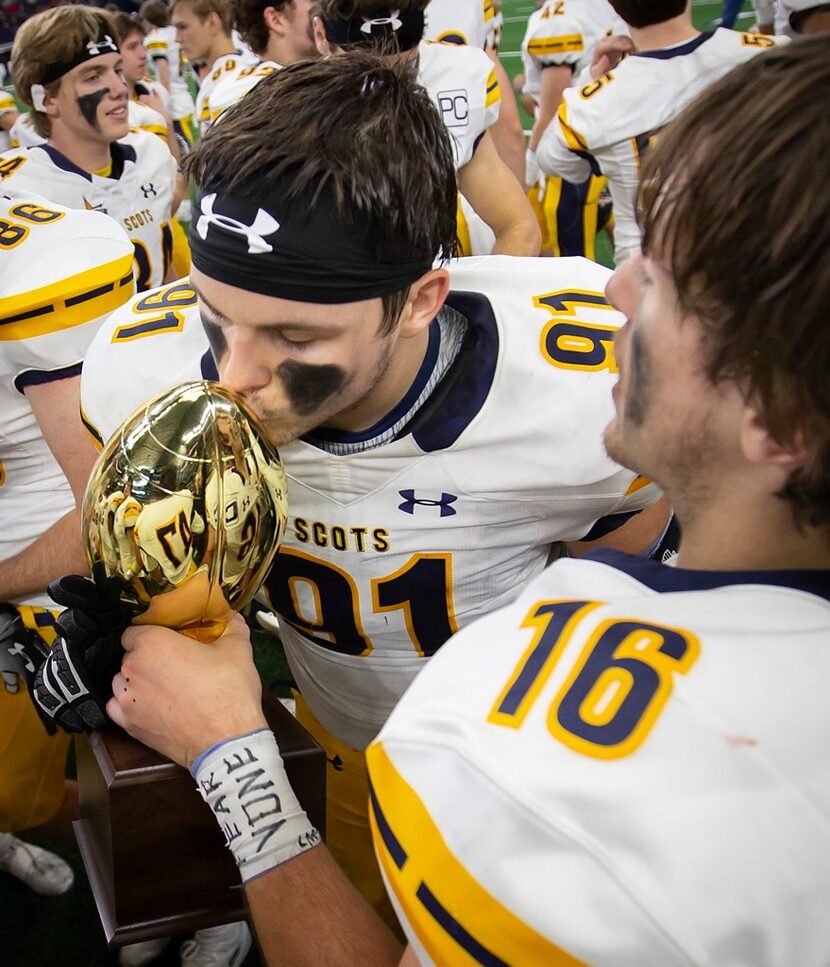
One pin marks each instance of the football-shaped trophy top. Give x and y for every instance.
(186, 506)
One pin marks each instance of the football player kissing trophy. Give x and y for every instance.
(182, 517)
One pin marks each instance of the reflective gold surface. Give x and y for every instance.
(186, 505)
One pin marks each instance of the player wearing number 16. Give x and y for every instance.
(67, 69)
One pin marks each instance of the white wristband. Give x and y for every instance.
(243, 781)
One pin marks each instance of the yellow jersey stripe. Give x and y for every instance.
(493, 93)
(573, 140)
(637, 484)
(489, 10)
(70, 302)
(556, 45)
(456, 920)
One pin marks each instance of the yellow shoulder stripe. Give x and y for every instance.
(489, 10)
(573, 140)
(637, 484)
(70, 302)
(455, 918)
(493, 95)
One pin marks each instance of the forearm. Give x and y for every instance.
(307, 913)
(520, 238)
(507, 132)
(499, 199)
(56, 552)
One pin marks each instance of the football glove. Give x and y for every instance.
(74, 683)
(21, 651)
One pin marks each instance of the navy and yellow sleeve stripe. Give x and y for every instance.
(73, 301)
(92, 429)
(489, 10)
(493, 94)
(573, 139)
(567, 44)
(455, 919)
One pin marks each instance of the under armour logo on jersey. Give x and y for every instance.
(393, 21)
(104, 46)
(149, 190)
(264, 224)
(410, 502)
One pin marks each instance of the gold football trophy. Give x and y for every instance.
(186, 506)
(186, 509)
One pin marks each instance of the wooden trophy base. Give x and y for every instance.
(155, 857)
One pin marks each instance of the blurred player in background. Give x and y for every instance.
(558, 46)
(278, 33)
(170, 67)
(150, 103)
(203, 31)
(69, 71)
(462, 83)
(61, 274)
(610, 123)
(474, 22)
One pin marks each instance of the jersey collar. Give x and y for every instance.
(661, 577)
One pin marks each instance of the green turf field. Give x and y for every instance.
(65, 931)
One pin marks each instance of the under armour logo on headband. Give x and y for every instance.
(105, 45)
(393, 21)
(264, 224)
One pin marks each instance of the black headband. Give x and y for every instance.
(301, 249)
(102, 44)
(404, 30)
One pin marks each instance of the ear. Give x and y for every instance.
(426, 296)
(760, 447)
(320, 39)
(274, 20)
(50, 102)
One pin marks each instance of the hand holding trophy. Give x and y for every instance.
(182, 517)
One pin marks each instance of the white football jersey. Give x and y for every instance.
(138, 193)
(232, 86)
(161, 44)
(459, 21)
(461, 82)
(61, 274)
(624, 768)
(142, 117)
(7, 105)
(615, 118)
(389, 551)
(22, 133)
(222, 67)
(564, 33)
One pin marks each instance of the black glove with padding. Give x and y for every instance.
(74, 683)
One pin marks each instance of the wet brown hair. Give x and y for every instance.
(733, 200)
(358, 124)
